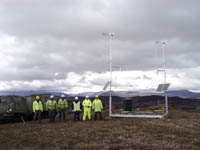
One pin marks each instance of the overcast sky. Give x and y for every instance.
(58, 45)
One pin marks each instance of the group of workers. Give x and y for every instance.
(61, 106)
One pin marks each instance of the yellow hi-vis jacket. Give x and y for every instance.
(51, 104)
(37, 105)
(87, 103)
(97, 105)
(77, 106)
(62, 103)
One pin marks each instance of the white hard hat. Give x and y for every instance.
(51, 96)
(62, 95)
(76, 98)
(87, 96)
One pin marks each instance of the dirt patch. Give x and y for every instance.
(181, 130)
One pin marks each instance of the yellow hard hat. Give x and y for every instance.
(37, 97)
(97, 96)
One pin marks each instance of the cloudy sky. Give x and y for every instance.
(58, 45)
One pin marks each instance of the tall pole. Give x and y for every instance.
(164, 68)
(156, 52)
(110, 97)
(164, 61)
(111, 35)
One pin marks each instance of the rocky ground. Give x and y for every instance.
(180, 131)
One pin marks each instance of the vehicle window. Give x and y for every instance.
(3, 100)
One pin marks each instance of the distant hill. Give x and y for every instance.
(30, 92)
(172, 93)
(184, 94)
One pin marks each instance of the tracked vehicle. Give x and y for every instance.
(14, 108)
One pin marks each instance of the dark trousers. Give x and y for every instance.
(62, 113)
(95, 116)
(52, 115)
(77, 116)
(37, 115)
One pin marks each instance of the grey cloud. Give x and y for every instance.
(65, 36)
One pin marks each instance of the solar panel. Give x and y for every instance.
(160, 87)
(163, 87)
(105, 87)
(166, 87)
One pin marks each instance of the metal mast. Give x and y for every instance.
(164, 68)
(164, 75)
(111, 36)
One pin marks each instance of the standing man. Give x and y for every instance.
(87, 104)
(97, 106)
(62, 106)
(51, 106)
(37, 108)
(76, 107)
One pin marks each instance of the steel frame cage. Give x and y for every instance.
(111, 36)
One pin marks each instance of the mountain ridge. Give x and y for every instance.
(179, 93)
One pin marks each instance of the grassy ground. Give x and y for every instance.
(181, 130)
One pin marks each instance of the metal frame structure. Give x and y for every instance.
(111, 36)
